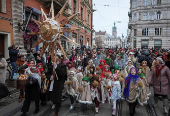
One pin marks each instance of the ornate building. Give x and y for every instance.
(114, 30)
(149, 23)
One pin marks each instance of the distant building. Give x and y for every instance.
(149, 22)
(112, 42)
(99, 38)
(114, 30)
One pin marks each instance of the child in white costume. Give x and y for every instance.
(72, 87)
(116, 92)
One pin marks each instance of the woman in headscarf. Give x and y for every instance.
(3, 65)
(128, 67)
(32, 88)
(160, 76)
(132, 58)
(145, 68)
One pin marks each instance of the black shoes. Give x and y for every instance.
(23, 114)
(36, 111)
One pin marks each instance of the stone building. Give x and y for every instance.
(111, 41)
(99, 38)
(14, 12)
(149, 23)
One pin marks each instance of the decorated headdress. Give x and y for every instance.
(144, 62)
(80, 68)
(116, 67)
(91, 61)
(72, 72)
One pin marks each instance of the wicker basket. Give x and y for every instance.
(21, 83)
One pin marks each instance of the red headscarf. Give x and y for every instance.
(102, 75)
(102, 66)
(40, 69)
(71, 64)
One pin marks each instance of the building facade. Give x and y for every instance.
(149, 24)
(14, 14)
(111, 41)
(99, 38)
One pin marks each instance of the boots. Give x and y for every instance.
(97, 110)
(56, 114)
(71, 107)
(20, 98)
(165, 106)
(114, 112)
(155, 102)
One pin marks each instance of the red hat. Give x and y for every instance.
(122, 49)
(132, 50)
(40, 64)
(156, 52)
(110, 51)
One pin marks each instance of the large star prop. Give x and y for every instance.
(51, 29)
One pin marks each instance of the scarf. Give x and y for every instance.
(73, 58)
(158, 70)
(141, 75)
(128, 79)
(108, 61)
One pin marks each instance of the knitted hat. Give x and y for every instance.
(89, 49)
(110, 51)
(122, 49)
(116, 67)
(120, 55)
(86, 79)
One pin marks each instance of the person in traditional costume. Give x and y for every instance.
(145, 68)
(77, 62)
(132, 58)
(79, 74)
(73, 57)
(160, 76)
(22, 65)
(102, 64)
(44, 86)
(106, 84)
(144, 79)
(70, 67)
(128, 67)
(40, 67)
(85, 93)
(112, 56)
(87, 69)
(99, 56)
(116, 92)
(120, 62)
(133, 90)
(72, 87)
(96, 92)
(32, 88)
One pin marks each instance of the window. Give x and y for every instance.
(145, 32)
(81, 13)
(152, 2)
(135, 17)
(145, 2)
(152, 15)
(158, 15)
(3, 6)
(144, 44)
(135, 32)
(74, 6)
(158, 31)
(158, 1)
(145, 16)
(33, 16)
(135, 3)
(157, 44)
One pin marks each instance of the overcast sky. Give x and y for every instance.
(104, 16)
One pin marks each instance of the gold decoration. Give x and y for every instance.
(51, 29)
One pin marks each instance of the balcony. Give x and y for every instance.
(130, 14)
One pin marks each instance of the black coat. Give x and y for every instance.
(58, 86)
(13, 55)
(32, 91)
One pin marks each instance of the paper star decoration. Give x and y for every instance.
(51, 29)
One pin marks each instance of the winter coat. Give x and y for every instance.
(79, 78)
(3, 66)
(58, 85)
(161, 84)
(100, 57)
(72, 89)
(116, 90)
(13, 54)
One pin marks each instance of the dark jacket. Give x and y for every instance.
(13, 54)
(58, 86)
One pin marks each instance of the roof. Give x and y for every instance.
(100, 33)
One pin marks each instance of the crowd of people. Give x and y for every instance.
(93, 76)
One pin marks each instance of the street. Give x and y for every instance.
(10, 106)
